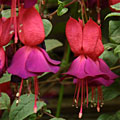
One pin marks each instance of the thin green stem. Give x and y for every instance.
(61, 93)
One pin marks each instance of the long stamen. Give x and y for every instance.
(19, 93)
(14, 19)
(74, 99)
(87, 92)
(98, 11)
(82, 92)
(98, 105)
(36, 93)
(78, 94)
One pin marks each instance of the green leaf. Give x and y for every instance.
(109, 57)
(103, 117)
(112, 14)
(6, 13)
(37, 7)
(117, 49)
(5, 115)
(118, 114)
(47, 26)
(61, 10)
(5, 78)
(24, 108)
(4, 101)
(57, 119)
(114, 31)
(52, 43)
(109, 46)
(116, 6)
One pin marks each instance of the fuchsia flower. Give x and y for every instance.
(31, 60)
(87, 69)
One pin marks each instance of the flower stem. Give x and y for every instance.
(64, 62)
(116, 67)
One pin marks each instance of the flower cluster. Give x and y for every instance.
(87, 69)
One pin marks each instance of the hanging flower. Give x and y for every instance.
(87, 68)
(31, 60)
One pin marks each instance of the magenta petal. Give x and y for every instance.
(2, 58)
(104, 68)
(77, 68)
(17, 66)
(92, 68)
(29, 3)
(100, 81)
(51, 61)
(37, 63)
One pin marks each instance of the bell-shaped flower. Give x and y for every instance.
(31, 60)
(87, 69)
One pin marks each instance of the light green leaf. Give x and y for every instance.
(114, 31)
(5, 78)
(116, 6)
(117, 49)
(57, 119)
(4, 101)
(6, 13)
(61, 10)
(47, 26)
(52, 43)
(109, 46)
(37, 7)
(109, 57)
(24, 108)
(112, 14)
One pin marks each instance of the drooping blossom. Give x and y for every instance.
(5, 37)
(27, 3)
(31, 60)
(87, 69)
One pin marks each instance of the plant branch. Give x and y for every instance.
(52, 14)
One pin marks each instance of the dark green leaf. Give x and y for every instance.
(117, 49)
(52, 43)
(5, 115)
(24, 108)
(47, 26)
(57, 119)
(6, 78)
(118, 115)
(114, 31)
(103, 117)
(116, 6)
(112, 14)
(4, 101)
